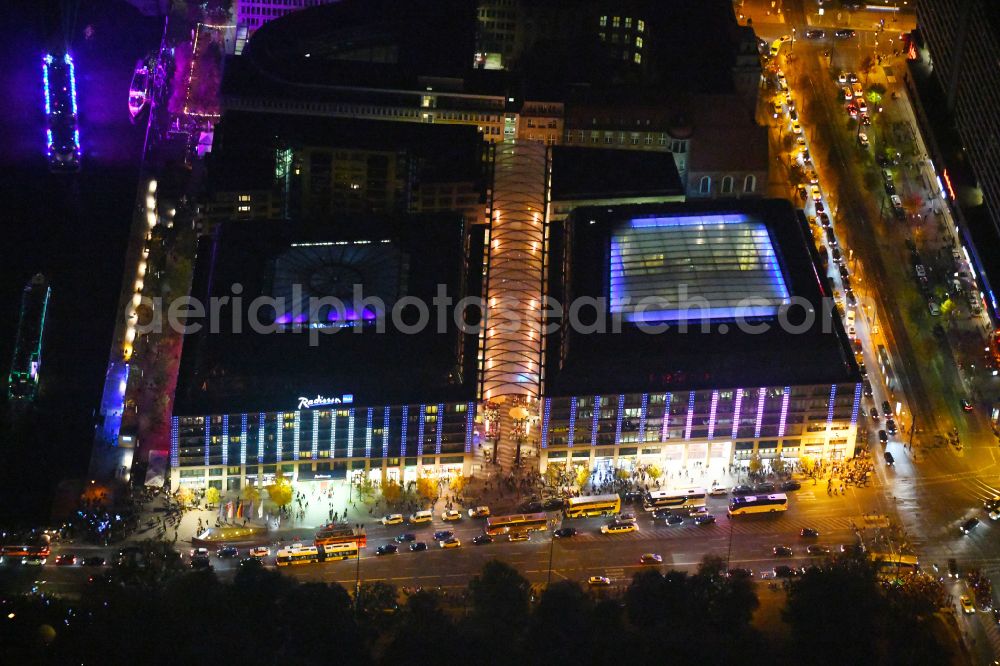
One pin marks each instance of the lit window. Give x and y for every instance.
(244, 197)
(638, 42)
(641, 25)
(628, 21)
(604, 21)
(244, 209)
(615, 22)
(638, 58)
(602, 36)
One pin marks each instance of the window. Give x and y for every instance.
(628, 21)
(705, 185)
(641, 25)
(615, 22)
(603, 21)
(638, 58)
(727, 185)
(638, 42)
(750, 183)
(244, 209)
(244, 197)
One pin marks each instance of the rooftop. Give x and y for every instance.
(599, 173)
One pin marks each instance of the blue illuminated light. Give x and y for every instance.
(833, 403)
(546, 419)
(571, 433)
(261, 430)
(421, 423)
(643, 413)
(594, 421)
(403, 428)
(440, 429)
(208, 439)
(368, 432)
(714, 405)
(174, 442)
(665, 426)
(225, 439)
(350, 432)
(857, 404)
(470, 418)
(385, 432)
(784, 411)
(761, 396)
(279, 436)
(243, 439)
(738, 403)
(618, 418)
(689, 421)
(45, 81)
(314, 448)
(333, 433)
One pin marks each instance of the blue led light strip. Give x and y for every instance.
(546, 419)
(385, 431)
(665, 426)
(470, 419)
(571, 434)
(643, 413)
(713, 406)
(225, 439)
(279, 436)
(594, 420)
(689, 422)
(618, 418)
(350, 432)
(440, 426)
(368, 432)
(403, 430)
(736, 412)
(243, 439)
(175, 459)
(761, 397)
(421, 422)
(297, 419)
(857, 404)
(208, 438)
(833, 404)
(784, 410)
(333, 433)
(261, 429)
(315, 435)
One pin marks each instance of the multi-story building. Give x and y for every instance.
(251, 14)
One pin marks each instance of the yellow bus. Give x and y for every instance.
(297, 554)
(892, 565)
(594, 505)
(521, 522)
(339, 551)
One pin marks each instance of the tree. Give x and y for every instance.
(654, 471)
(458, 484)
(280, 490)
(427, 489)
(623, 474)
(366, 489)
(582, 475)
(553, 474)
(392, 492)
(212, 496)
(560, 630)
(423, 629)
(251, 493)
(778, 465)
(755, 464)
(500, 597)
(377, 599)
(184, 496)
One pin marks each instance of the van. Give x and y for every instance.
(857, 89)
(421, 517)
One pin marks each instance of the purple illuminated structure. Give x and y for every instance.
(62, 133)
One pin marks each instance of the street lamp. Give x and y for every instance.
(357, 576)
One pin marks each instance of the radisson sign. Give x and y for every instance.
(323, 401)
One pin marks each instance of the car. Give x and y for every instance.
(791, 484)
(739, 572)
(862, 105)
(626, 518)
(260, 551)
(873, 413)
(618, 528)
(763, 488)
(650, 558)
(966, 405)
(966, 604)
(553, 504)
(852, 549)
(808, 533)
(889, 460)
(417, 546)
(482, 539)
(518, 536)
(792, 113)
(890, 425)
(852, 77)
(228, 552)
(992, 503)
(844, 33)
(674, 519)
(852, 109)
(742, 490)
(94, 561)
(866, 120)
(634, 496)
(775, 48)
(479, 512)
(846, 92)
(196, 552)
(886, 407)
(883, 437)
(451, 515)
(598, 581)
(831, 238)
(387, 549)
(817, 549)
(406, 537)
(863, 140)
(796, 127)
(719, 491)
(201, 563)
(785, 571)
(101, 579)
(815, 34)
(65, 560)
(418, 517)
(251, 563)
(778, 110)
(896, 201)
(842, 77)
(824, 220)
(890, 187)
(838, 256)
(697, 511)
(782, 81)
(782, 551)
(800, 191)
(565, 532)
(814, 191)
(450, 543)
(704, 519)
(968, 525)
(933, 307)
(392, 519)
(442, 535)
(952, 568)
(996, 615)
(662, 514)
(862, 368)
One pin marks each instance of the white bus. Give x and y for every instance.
(758, 504)
(674, 499)
(297, 554)
(593, 505)
(340, 551)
